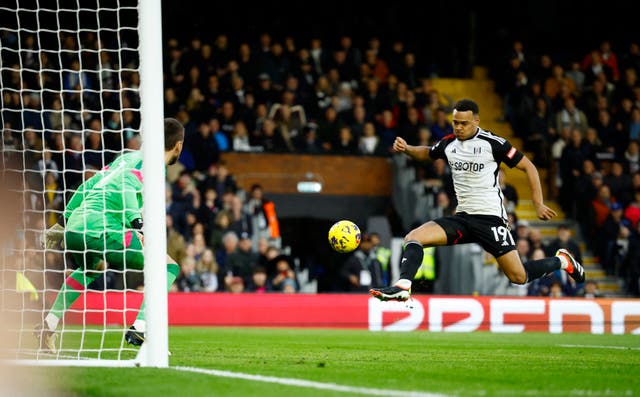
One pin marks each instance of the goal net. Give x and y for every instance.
(76, 78)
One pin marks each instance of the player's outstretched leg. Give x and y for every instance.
(409, 265)
(573, 268)
(46, 339)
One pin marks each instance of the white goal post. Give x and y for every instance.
(81, 83)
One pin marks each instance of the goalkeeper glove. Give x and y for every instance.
(54, 236)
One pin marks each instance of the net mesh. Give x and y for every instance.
(69, 77)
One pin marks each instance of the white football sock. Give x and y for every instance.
(403, 283)
(140, 325)
(51, 322)
(564, 262)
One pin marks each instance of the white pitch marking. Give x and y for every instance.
(310, 384)
(603, 347)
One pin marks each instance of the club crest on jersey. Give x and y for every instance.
(477, 150)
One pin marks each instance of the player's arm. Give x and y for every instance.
(545, 213)
(416, 152)
(54, 235)
(132, 197)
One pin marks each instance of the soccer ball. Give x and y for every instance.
(344, 236)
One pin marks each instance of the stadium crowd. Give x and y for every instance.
(580, 117)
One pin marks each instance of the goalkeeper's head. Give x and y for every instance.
(173, 140)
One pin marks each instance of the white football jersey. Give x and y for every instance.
(474, 167)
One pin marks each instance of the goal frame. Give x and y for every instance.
(155, 350)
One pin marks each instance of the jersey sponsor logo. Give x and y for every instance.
(466, 166)
(511, 153)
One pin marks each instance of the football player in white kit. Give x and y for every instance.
(474, 156)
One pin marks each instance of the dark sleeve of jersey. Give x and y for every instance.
(437, 150)
(507, 154)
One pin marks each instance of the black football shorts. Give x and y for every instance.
(491, 232)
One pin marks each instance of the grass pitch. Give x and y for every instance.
(300, 362)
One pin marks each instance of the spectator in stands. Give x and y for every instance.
(222, 140)
(570, 115)
(443, 205)
(235, 285)
(346, 144)
(630, 268)
(259, 282)
(220, 178)
(53, 199)
(387, 129)
(558, 78)
(441, 126)
(230, 242)
(308, 142)
(571, 160)
(188, 280)
(523, 227)
(576, 74)
(240, 137)
(620, 183)
(369, 143)
(593, 144)
(44, 165)
(285, 279)
(632, 211)
(204, 148)
(221, 225)
(208, 271)
(555, 290)
(241, 262)
(535, 240)
(600, 207)
(93, 152)
(593, 66)
(607, 236)
(289, 121)
(610, 58)
(509, 191)
(541, 131)
(564, 240)
(261, 210)
(362, 270)
(176, 246)
(177, 210)
(631, 159)
(197, 246)
(241, 221)
(590, 290)
(524, 249)
(73, 162)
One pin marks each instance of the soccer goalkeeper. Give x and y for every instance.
(102, 227)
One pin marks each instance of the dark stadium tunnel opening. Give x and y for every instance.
(307, 238)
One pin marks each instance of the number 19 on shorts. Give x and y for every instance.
(501, 233)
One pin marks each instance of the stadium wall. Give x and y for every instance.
(339, 175)
(437, 313)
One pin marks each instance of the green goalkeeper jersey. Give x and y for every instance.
(110, 200)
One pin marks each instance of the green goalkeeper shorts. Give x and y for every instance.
(120, 250)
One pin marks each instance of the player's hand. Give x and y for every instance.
(53, 236)
(399, 145)
(545, 213)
